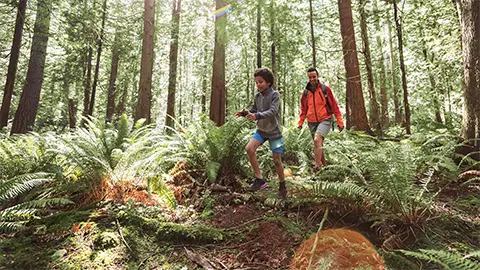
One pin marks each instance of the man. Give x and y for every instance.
(317, 106)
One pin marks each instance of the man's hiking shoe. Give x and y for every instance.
(282, 191)
(258, 184)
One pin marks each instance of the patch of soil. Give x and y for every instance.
(236, 216)
(267, 247)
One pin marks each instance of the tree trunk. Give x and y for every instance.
(259, 33)
(27, 108)
(470, 20)
(112, 88)
(172, 75)
(71, 113)
(97, 66)
(433, 90)
(374, 111)
(396, 101)
(86, 91)
(314, 52)
(357, 113)
(13, 63)
(272, 33)
(218, 92)
(383, 85)
(144, 103)
(402, 68)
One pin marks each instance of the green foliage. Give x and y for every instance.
(208, 147)
(448, 260)
(14, 217)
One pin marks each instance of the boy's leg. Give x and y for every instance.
(251, 149)
(277, 159)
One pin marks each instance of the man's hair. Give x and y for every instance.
(266, 74)
(312, 69)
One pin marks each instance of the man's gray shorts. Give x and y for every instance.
(321, 128)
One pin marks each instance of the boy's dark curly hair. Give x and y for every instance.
(266, 74)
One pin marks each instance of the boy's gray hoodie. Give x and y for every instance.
(266, 108)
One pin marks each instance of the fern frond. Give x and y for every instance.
(448, 260)
(14, 187)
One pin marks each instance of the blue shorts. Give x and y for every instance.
(275, 145)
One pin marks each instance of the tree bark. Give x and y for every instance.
(172, 75)
(396, 101)
(97, 66)
(71, 114)
(355, 102)
(259, 33)
(402, 68)
(13, 63)
(384, 119)
(27, 108)
(218, 92)
(112, 88)
(314, 52)
(374, 111)
(272, 33)
(86, 91)
(470, 21)
(144, 103)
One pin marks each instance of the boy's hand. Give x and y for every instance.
(251, 116)
(299, 127)
(241, 113)
(340, 128)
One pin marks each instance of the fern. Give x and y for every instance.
(447, 260)
(13, 218)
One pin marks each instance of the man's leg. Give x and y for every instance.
(251, 149)
(318, 151)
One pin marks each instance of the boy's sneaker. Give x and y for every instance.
(258, 184)
(282, 191)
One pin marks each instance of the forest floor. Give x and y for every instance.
(224, 229)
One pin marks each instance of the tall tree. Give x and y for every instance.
(97, 66)
(393, 61)
(259, 33)
(27, 108)
(218, 92)
(374, 111)
(144, 104)
(13, 63)
(383, 88)
(356, 113)
(402, 67)
(172, 75)
(87, 82)
(314, 53)
(112, 88)
(272, 35)
(470, 21)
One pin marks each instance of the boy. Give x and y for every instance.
(265, 111)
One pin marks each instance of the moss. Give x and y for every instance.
(106, 240)
(63, 221)
(169, 231)
(23, 253)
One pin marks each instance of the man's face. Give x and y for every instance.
(313, 78)
(261, 84)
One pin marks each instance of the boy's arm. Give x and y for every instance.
(273, 111)
(336, 110)
(245, 112)
(303, 110)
